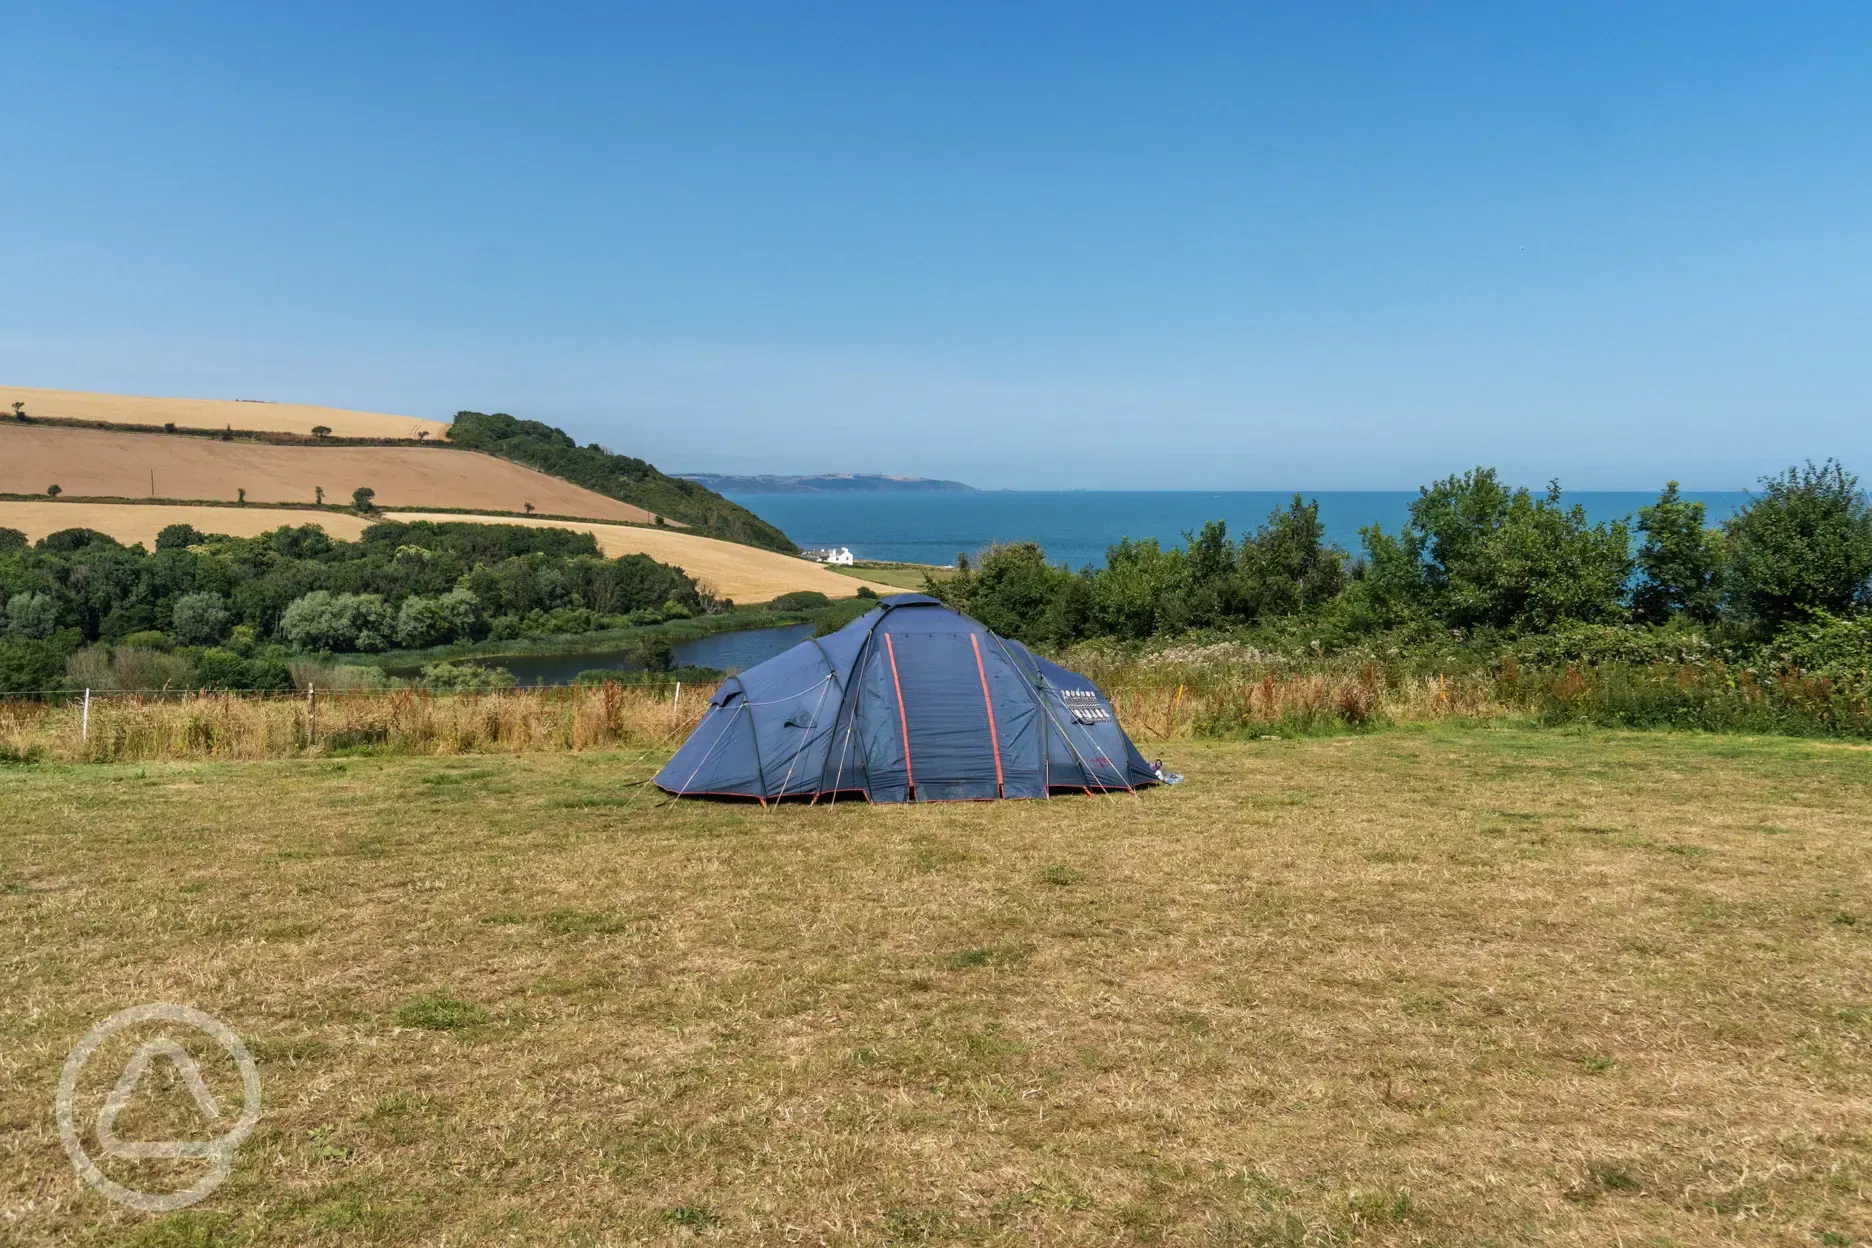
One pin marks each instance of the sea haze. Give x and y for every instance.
(1075, 527)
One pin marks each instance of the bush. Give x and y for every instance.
(651, 652)
(842, 613)
(223, 669)
(36, 665)
(322, 620)
(200, 619)
(801, 600)
(449, 677)
(148, 639)
(865, 591)
(1829, 646)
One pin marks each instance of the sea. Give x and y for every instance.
(1075, 527)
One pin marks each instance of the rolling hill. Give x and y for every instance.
(128, 466)
(744, 573)
(257, 415)
(102, 463)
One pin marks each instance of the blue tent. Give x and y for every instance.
(911, 702)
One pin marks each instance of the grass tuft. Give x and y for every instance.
(439, 1011)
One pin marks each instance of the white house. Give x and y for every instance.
(840, 555)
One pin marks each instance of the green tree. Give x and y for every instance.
(1141, 591)
(1804, 544)
(54, 491)
(362, 497)
(1680, 561)
(31, 615)
(1009, 591)
(321, 431)
(425, 621)
(322, 620)
(200, 619)
(179, 537)
(318, 495)
(1478, 554)
(1288, 566)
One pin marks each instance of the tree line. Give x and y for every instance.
(1476, 561)
(243, 606)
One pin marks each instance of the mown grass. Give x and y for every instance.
(1449, 985)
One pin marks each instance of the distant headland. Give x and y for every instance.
(825, 483)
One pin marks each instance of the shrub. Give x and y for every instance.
(36, 665)
(651, 652)
(1829, 646)
(453, 676)
(865, 591)
(147, 639)
(223, 669)
(200, 619)
(361, 498)
(801, 600)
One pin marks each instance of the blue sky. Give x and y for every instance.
(1304, 246)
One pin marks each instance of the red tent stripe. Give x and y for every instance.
(903, 721)
(988, 700)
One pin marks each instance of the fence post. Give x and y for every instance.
(311, 715)
(84, 718)
(676, 702)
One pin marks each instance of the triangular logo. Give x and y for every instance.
(119, 1100)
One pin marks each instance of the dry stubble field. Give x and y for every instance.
(1437, 986)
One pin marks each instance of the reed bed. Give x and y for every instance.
(230, 726)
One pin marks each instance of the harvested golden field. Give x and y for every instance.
(735, 571)
(1431, 987)
(102, 463)
(739, 572)
(300, 418)
(141, 522)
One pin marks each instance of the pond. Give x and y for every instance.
(731, 652)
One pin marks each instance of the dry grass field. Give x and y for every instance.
(104, 464)
(141, 522)
(903, 575)
(127, 409)
(1412, 987)
(739, 572)
(743, 573)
